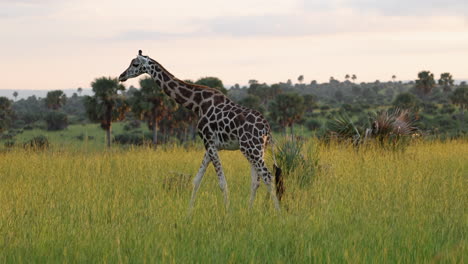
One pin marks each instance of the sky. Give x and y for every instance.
(56, 44)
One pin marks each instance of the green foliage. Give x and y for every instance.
(287, 109)
(133, 139)
(407, 101)
(212, 82)
(425, 82)
(6, 114)
(446, 81)
(313, 124)
(56, 121)
(106, 106)
(151, 104)
(390, 128)
(37, 143)
(252, 102)
(460, 97)
(55, 99)
(298, 159)
(344, 129)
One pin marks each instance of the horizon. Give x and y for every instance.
(52, 45)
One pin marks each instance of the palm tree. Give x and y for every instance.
(80, 90)
(425, 82)
(106, 106)
(5, 113)
(354, 77)
(15, 94)
(151, 104)
(55, 99)
(300, 79)
(446, 80)
(347, 77)
(287, 109)
(460, 98)
(393, 78)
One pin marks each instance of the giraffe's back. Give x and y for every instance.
(229, 125)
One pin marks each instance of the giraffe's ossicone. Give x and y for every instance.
(222, 125)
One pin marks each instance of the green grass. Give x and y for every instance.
(73, 205)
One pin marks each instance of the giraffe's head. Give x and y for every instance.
(137, 67)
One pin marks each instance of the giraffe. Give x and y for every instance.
(222, 125)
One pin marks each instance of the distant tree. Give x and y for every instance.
(310, 102)
(300, 79)
(6, 113)
(263, 91)
(79, 90)
(407, 101)
(354, 77)
(151, 104)
(460, 97)
(212, 82)
(347, 77)
(356, 90)
(287, 109)
(425, 82)
(106, 106)
(446, 81)
(339, 95)
(253, 102)
(15, 95)
(55, 99)
(393, 78)
(56, 120)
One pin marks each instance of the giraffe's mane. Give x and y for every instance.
(204, 87)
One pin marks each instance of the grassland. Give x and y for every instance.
(88, 205)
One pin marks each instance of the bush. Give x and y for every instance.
(38, 143)
(82, 137)
(9, 144)
(132, 139)
(56, 121)
(294, 163)
(313, 124)
(132, 124)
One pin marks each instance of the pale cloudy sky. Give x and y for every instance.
(57, 44)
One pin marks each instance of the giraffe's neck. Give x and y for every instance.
(183, 93)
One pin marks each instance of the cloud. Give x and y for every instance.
(410, 8)
(27, 8)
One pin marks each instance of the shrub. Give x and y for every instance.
(132, 139)
(132, 124)
(313, 124)
(292, 161)
(56, 121)
(9, 144)
(38, 143)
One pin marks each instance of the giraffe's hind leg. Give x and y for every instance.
(255, 157)
(255, 184)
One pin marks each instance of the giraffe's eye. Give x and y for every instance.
(135, 64)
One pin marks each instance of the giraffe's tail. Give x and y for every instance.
(277, 171)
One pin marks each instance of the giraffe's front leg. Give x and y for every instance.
(213, 153)
(198, 178)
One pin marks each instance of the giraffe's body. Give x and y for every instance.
(222, 124)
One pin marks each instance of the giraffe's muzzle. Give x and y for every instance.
(123, 76)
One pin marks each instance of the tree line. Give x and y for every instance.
(287, 106)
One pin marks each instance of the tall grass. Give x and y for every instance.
(131, 206)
